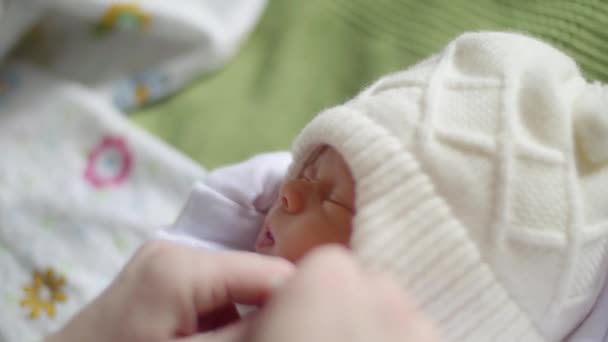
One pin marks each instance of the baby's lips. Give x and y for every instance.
(265, 239)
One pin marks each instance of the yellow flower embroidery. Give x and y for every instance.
(123, 15)
(142, 94)
(43, 293)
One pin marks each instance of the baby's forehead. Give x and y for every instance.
(329, 160)
(315, 155)
(323, 157)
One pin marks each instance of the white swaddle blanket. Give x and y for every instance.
(80, 186)
(80, 189)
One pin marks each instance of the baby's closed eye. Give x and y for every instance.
(338, 203)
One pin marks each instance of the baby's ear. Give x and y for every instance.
(591, 122)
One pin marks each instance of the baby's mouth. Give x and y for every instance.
(266, 239)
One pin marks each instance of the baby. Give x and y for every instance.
(250, 206)
(315, 208)
(477, 178)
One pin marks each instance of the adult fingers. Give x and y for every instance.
(233, 332)
(237, 277)
(218, 318)
(328, 260)
(321, 302)
(186, 284)
(399, 312)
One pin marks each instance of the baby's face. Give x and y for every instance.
(315, 208)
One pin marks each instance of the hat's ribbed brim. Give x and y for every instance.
(404, 227)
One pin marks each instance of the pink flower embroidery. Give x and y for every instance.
(109, 162)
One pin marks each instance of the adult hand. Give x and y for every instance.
(331, 298)
(168, 291)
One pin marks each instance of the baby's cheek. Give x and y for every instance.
(293, 246)
(289, 249)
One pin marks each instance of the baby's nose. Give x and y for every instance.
(292, 198)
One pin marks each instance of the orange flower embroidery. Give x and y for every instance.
(43, 293)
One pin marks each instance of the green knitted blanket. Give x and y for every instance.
(308, 55)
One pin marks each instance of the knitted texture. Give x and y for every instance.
(477, 174)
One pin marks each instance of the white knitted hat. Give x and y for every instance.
(482, 185)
